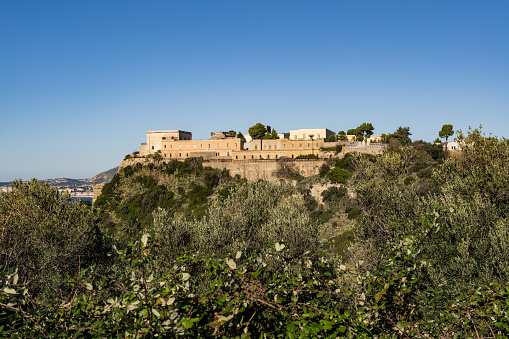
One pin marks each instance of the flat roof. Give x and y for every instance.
(173, 131)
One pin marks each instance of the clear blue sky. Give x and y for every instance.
(82, 81)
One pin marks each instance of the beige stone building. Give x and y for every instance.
(179, 145)
(208, 149)
(156, 138)
(278, 148)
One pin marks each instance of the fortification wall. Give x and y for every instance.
(254, 170)
(264, 169)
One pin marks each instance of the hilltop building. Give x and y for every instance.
(155, 139)
(308, 134)
(178, 144)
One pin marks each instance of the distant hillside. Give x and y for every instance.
(100, 178)
(103, 177)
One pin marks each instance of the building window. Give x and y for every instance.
(180, 146)
(180, 155)
(260, 156)
(252, 157)
(308, 145)
(270, 146)
(187, 154)
(300, 145)
(209, 145)
(227, 145)
(152, 147)
(171, 146)
(164, 146)
(235, 145)
(276, 156)
(170, 155)
(256, 147)
(194, 146)
(318, 136)
(292, 145)
(201, 145)
(227, 154)
(268, 156)
(284, 145)
(236, 157)
(244, 157)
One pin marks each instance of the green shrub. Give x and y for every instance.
(45, 236)
(324, 169)
(338, 175)
(307, 156)
(333, 194)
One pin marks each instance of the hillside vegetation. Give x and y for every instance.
(410, 243)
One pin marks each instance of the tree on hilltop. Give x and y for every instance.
(257, 131)
(271, 135)
(446, 132)
(364, 130)
(241, 136)
(342, 136)
(402, 134)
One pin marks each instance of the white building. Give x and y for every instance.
(311, 133)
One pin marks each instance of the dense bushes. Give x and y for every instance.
(182, 188)
(472, 190)
(45, 236)
(274, 295)
(250, 219)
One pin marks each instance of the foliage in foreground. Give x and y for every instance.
(302, 298)
(46, 235)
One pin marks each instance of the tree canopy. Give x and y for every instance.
(271, 135)
(241, 136)
(364, 130)
(446, 132)
(342, 136)
(257, 131)
(402, 134)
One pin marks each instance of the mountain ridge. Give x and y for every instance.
(100, 178)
